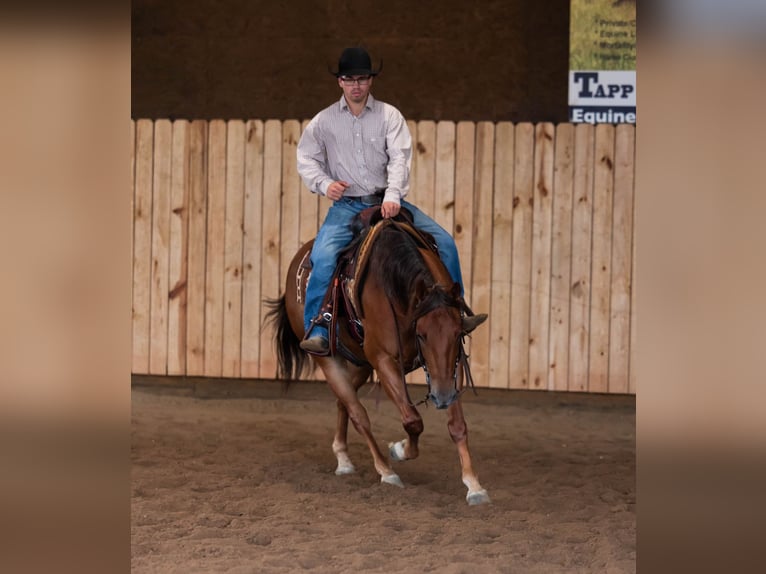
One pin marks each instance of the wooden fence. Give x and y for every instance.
(542, 216)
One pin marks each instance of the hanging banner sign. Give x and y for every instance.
(602, 61)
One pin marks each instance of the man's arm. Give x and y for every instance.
(399, 150)
(311, 158)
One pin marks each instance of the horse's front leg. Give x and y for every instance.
(391, 379)
(458, 430)
(345, 385)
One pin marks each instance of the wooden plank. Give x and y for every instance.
(195, 310)
(158, 346)
(414, 160)
(313, 211)
(465, 155)
(438, 181)
(442, 201)
(272, 208)
(142, 245)
(579, 327)
(291, 201)
(622, 260)
(309, 206)
(251, 250)
(542, 234)
(465, 151)
(601, 263)
(561, 258)
(444, 192)
(423, 185)
(481, 274)
(522, 251)
(418, 376)
(233, 240)
(500, 304)
(216, 221)
(179, 248)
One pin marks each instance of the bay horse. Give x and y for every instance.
(409, 313)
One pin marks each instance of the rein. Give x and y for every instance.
(401, 360)
(461, 360)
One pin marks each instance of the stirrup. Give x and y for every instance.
(318, 344)
(323, 320)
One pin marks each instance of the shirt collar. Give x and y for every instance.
(367, 106)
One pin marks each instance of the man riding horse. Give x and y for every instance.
(358, 153)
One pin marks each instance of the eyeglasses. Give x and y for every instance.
(349, 81)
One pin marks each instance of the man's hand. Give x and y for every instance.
(336, 190)
(389, 209)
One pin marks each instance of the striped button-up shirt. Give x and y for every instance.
(371, 152)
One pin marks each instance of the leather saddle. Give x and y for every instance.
(340, 307)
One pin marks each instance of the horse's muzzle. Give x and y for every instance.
(443, 400)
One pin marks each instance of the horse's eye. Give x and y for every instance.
(420, 337)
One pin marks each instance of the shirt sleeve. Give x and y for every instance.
(312, 159)
(399, 149)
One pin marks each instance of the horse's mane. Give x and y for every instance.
(437, 296)
(402, 272)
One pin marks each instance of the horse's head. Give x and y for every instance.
(438, 331)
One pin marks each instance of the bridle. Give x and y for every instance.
(460, 361)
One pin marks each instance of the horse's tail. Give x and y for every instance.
(291, 360)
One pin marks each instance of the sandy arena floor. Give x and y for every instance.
(238, 477)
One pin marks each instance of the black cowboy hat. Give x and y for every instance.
(356, 62)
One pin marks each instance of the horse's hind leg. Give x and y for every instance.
(340, 442)
(458, 430)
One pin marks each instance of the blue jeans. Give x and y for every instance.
(335, 234)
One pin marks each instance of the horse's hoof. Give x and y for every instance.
(396, 451)
(392, 479)
(347, 469)
(478, 497)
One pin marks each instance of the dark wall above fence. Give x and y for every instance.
(443, 59)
